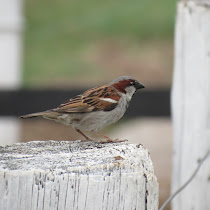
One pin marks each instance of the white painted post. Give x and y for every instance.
(76, 175)
(11, 24)
(191, 103)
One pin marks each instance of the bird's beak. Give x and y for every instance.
(139, 86)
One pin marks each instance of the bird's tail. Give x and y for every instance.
(37, 114)
(49, 114)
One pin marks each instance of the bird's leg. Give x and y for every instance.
(105, 139)
(80, 132)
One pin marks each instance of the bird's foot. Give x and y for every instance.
(106, 139)
(109, 140)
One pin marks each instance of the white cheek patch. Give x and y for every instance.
(109, 100)
(129, 92)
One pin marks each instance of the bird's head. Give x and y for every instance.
(127, 85)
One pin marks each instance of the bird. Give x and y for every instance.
(94, 109)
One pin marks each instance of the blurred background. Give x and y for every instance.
(74, 45)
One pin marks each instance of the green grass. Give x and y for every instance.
(59, 32)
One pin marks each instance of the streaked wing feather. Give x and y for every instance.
(74, 104)
(91, 101)
(93, 98)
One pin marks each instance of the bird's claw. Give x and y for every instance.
(113, 141)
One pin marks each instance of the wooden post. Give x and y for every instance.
(191, 103)
(11, 24)
(76, 175)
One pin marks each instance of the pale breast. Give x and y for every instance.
(97, 120)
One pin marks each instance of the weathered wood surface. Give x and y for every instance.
(76, 175)
(191, 104)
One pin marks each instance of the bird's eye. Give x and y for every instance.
(132, 83)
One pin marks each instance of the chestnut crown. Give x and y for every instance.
(123, 82)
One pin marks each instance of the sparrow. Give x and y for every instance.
(96, 108)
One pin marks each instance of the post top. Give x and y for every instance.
(74, 157)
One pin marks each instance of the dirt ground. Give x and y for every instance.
(154, 133)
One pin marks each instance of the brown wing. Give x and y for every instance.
(95, 96)
(91, 100)
(74, 105)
